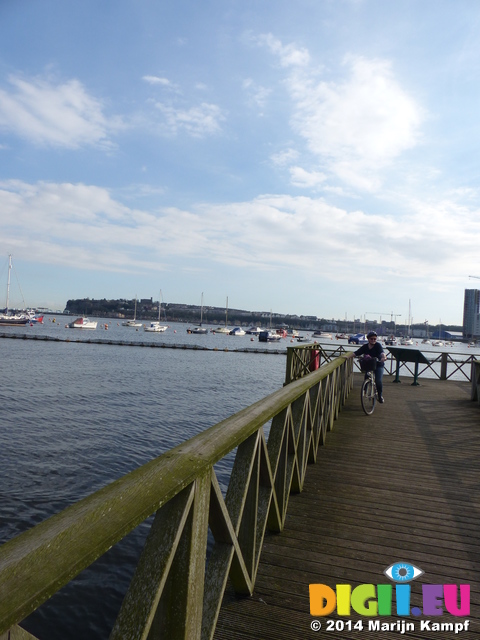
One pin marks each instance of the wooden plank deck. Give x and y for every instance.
(402, 484)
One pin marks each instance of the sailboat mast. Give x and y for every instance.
(201, 310)
(8, 280)
(226, 313)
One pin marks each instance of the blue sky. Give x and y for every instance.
(317, 157)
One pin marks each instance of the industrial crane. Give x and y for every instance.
(392, 315)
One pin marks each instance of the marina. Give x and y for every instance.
(80, 427)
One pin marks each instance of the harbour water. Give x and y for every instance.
(76, 416)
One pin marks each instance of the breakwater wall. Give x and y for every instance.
(153, 345)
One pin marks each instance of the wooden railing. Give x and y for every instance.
(175, 593)
(443, 366)
(476, 381)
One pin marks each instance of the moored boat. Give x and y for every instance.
(237, 331)
(197, 330)
(358, 338)
(133, 323)
(224, 329)
(83, 323)
(221, 330)
(7, 319)
(254, 331)
(268, 336)
(303, 339)
(155, 327)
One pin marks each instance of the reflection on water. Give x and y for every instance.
(78, 416)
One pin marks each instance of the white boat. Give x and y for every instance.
(6, 319)
(237, 331)
(83, 323)
(269, 336)
(321, 334)
(34, 318)
(406, 342)
(199, 330)
(133, 323)
(254, 331)
(156, 326)
(437, 343)
(224, 329)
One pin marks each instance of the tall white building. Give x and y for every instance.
(471, 314)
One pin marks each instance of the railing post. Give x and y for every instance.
(288, 371)
(443, 366)
(475, 380)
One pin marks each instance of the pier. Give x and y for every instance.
(402, 484)
(319, 493)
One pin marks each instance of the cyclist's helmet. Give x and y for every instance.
(370, 334)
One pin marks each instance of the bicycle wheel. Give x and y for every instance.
(368, 397)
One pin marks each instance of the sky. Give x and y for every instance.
(316, 157)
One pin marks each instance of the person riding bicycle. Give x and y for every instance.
(375, 350)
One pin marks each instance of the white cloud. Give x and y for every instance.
(289, 55)
(257, 95)
(437, 242)
(359, 125)
(53, 114)
(198, 121)
(284, 158)
(301, 178)
(356, 125)
(165, 82)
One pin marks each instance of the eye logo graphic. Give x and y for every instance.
(403, 572)
(377, 600)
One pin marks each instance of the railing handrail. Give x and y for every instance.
(38, 562)
(298, 360)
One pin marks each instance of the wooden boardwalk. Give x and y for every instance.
(403, 484)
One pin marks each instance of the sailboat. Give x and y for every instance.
(6, 319)
(199, 329)
(267, 335)
(156, 327)
(224, 329)
(133, 323)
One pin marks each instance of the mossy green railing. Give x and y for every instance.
(178, 586)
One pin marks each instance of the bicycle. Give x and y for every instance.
(368, 393)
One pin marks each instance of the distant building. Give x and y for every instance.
(471, 314)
